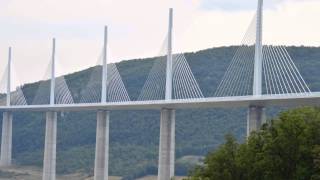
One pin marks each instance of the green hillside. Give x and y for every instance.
(134, 134)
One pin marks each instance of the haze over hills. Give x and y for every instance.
(134, 135)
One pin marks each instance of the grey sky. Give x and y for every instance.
(137, 28)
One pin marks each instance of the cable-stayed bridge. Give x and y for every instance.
(257, 77)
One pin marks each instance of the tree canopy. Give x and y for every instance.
(285, 148)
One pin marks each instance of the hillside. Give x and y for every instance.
(134, 135)
(35, 173)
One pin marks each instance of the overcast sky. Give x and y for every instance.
(137, 28)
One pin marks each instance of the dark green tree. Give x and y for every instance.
(286, 148)
(220, 164)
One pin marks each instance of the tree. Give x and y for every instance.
(316, 161)
(220, 164)
(288, 147)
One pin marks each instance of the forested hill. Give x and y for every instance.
(134, 135)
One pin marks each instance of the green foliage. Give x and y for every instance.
(316, 162)
(134, 135)
(285, 148)
(220, 164)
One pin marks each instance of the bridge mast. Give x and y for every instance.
(9, 77)
(257, 82)
(52, 87)
(168, 95)
(104, 67)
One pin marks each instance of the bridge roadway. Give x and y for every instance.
(288, 100)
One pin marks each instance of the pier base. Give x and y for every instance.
(256, 117)
(6, 140)
(167, 145)
(102, 146)
(49, 162)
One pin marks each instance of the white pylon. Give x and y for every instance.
(9, 77)
(104, 67)
(53, 78)
(257, 79)
(168, 93)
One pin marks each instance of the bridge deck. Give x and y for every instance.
(310, 99)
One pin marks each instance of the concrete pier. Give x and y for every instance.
(256, 117)
(49, 162)
(6, 140)
(102, 146)
(167, 145)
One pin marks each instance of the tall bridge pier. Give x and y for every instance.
(102, 146)
(167, 145)
(6, 140)
(49, 160)
(256, 117)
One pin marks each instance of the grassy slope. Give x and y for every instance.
(134, 134)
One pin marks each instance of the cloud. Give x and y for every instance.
(291, 22)
(227, 5)
(138, 28)
(57, 11)
(243, 5)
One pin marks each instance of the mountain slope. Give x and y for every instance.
(134, 135)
